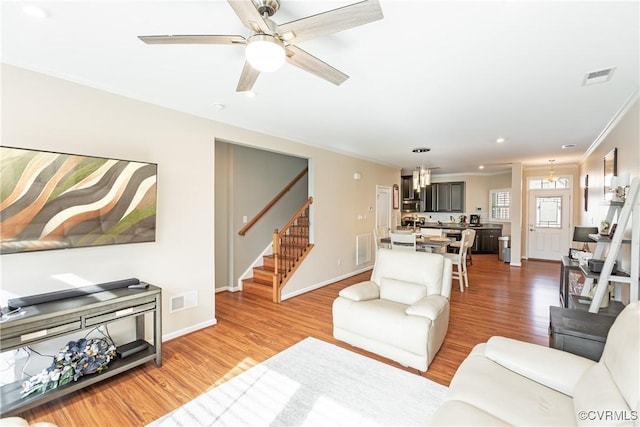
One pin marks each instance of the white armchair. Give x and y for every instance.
(402, 313)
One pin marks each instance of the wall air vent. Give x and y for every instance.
(183, 301)
(600, 76)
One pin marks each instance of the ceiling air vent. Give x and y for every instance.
(597, 77)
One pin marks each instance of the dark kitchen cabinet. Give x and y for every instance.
(428, 198)
(489, 241)
(457, 197)
(444, 197)
(407, 188)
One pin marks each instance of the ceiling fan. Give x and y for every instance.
(270, 44)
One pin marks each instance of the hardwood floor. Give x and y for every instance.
(501, 300)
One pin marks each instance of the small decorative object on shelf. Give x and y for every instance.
(77, 358)
(604, 228)
(605, 300)
(621, 189)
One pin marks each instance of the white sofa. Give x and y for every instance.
(402, 313)
(509, 382)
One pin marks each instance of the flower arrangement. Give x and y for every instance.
(77, 358)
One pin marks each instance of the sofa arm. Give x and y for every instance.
(430, 307)
(553, 368)
(362, 291)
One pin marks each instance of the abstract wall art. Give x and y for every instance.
(55, 200)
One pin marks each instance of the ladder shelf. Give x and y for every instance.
(628, 213)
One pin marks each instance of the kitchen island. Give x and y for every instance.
(486, 241)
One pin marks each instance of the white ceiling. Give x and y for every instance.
(453, 76)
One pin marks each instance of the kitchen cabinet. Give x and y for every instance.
(457, 197)
(488, 241)
(428, 198)
(407, 188)
(444, 197)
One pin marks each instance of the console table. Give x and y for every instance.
(42, 322)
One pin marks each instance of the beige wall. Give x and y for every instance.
(46, 113)
(624, 135)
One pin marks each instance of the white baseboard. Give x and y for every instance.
(310, 288)
(193, 328)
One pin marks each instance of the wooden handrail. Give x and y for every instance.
(295, 217)
(289, 253)
(269, 205)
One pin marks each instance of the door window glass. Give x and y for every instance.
(549, 212)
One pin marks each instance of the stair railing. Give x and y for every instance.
(290, 246)
(275, 200)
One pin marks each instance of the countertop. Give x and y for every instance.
(457, 226)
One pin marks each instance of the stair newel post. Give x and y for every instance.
(276, 266)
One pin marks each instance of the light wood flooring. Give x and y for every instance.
(501, 300)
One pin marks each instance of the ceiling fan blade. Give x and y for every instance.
(311, 64)
(249, 15)
(195, 39)
(247, 78)
(332, 21)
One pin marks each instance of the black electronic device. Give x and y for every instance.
(595, 266)
(69, 293)
(133, 347)
(474, 220)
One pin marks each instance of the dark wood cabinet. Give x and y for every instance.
(407, 187)
(429, 195)
(444, 197)
(457, 197)
(487, 241)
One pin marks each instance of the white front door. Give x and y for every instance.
(549, 224)
(383, 207)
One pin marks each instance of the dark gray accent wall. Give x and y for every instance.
(248, 179)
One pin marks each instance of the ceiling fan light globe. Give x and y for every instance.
(265, 53)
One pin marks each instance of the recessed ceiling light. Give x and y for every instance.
(568, 146)
(500, 140)
(421, 150)
(219, 106)
(250, 94)
(481, 167)
(35, 11)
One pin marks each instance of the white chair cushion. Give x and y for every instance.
(430, 307)
(362, 291)
(508, 396)
(417, 267)
(401, 291)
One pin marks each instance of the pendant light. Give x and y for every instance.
(551, 177)
(421, 176)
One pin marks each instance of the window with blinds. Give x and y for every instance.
(500, 201)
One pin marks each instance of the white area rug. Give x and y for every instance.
(314, 383)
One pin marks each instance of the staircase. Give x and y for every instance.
(290, 247)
